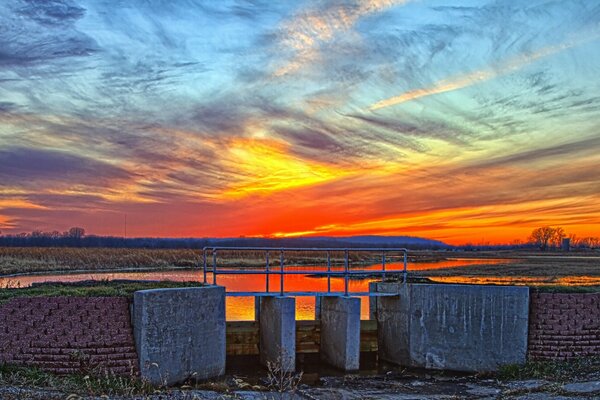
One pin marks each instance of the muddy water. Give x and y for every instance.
(242, 308)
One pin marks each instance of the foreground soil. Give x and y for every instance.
(354, 387)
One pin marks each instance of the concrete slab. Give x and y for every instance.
(277, 330)
(180, 333)
(454, 327)
(340, 331)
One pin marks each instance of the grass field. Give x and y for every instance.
(26, 260)
(90, 289)
(21, 260)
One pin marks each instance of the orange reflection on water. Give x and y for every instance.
(521, 280)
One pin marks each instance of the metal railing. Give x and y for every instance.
(346, 273)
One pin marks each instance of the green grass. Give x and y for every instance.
(84, 384)
(90, 289)
(560, 371)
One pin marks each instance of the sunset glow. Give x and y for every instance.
(462, 121)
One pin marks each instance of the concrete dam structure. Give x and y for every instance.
(171, 335)
(181, 333)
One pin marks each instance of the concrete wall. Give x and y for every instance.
(340, 331)
(67, 334)
(564, 325)
(454, 327)
(277, 330)
(180, 333)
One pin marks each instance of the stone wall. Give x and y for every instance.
(564, 325)
(68, 334)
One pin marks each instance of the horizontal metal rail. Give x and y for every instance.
(344, 271)
(305, 272)
(316, 294)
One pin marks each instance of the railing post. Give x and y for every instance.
(328, 272)
(268, 272)
(214, 267)
(281, 273)
(404, 272)
(346, 267)
(383, 265)
(204, 264)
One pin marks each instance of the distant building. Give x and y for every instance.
(566, 244)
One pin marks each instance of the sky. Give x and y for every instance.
(463, 121)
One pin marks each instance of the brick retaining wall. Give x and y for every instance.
(68, 334)
(564, 325)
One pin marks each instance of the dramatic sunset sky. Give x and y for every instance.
(463, 121)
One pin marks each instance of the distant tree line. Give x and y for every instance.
(76, 237)
(543, 238)
(548, 237)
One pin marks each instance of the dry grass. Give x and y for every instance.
(525, 263)
(19, 260)
(86, 384)
(27, 260)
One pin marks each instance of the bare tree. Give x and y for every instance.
(542, 236)
(557, 237)
(76, 232)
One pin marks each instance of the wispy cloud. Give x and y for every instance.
(307, 31)
(475, 77)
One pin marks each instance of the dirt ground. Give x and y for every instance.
(389, 387)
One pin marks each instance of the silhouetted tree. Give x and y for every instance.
(76, 233)
(557, 236)
(541, 237)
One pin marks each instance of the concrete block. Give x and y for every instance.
(454, 327)
(277, 330)
(180, 333)
(340, 331)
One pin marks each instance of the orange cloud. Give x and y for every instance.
(19, 203)
(267, 165)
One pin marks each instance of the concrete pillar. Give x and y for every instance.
(257, 308)
(180, 333)
(373, 288)
(340, 331)
(393, 328)
(277, 330)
